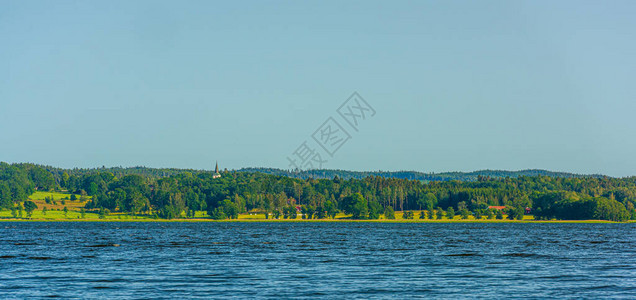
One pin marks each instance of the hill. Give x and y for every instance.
(413, 175)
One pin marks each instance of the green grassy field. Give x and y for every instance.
(38, 197)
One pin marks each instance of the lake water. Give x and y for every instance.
(317, 260)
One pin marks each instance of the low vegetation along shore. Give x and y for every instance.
(39, 193)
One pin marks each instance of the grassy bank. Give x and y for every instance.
(75, 216)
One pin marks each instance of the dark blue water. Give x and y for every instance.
(317, 260)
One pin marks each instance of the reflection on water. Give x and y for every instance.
(331, 260)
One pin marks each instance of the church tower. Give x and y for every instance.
(216, 171)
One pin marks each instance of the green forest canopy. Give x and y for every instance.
(173, 193)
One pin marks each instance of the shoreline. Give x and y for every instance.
(12, 220)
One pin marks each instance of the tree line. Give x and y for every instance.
(182, 193)
(411, 175)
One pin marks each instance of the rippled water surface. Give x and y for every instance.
(311, 260)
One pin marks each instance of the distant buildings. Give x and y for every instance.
(497, 207)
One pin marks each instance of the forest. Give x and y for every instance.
(175, 193)
(412, 175)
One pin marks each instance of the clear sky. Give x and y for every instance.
(456, 85)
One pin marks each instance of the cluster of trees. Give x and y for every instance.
(18, 181)
(26, 206)
(573, 206)
(184, 192)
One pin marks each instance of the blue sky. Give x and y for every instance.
(457, 85)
